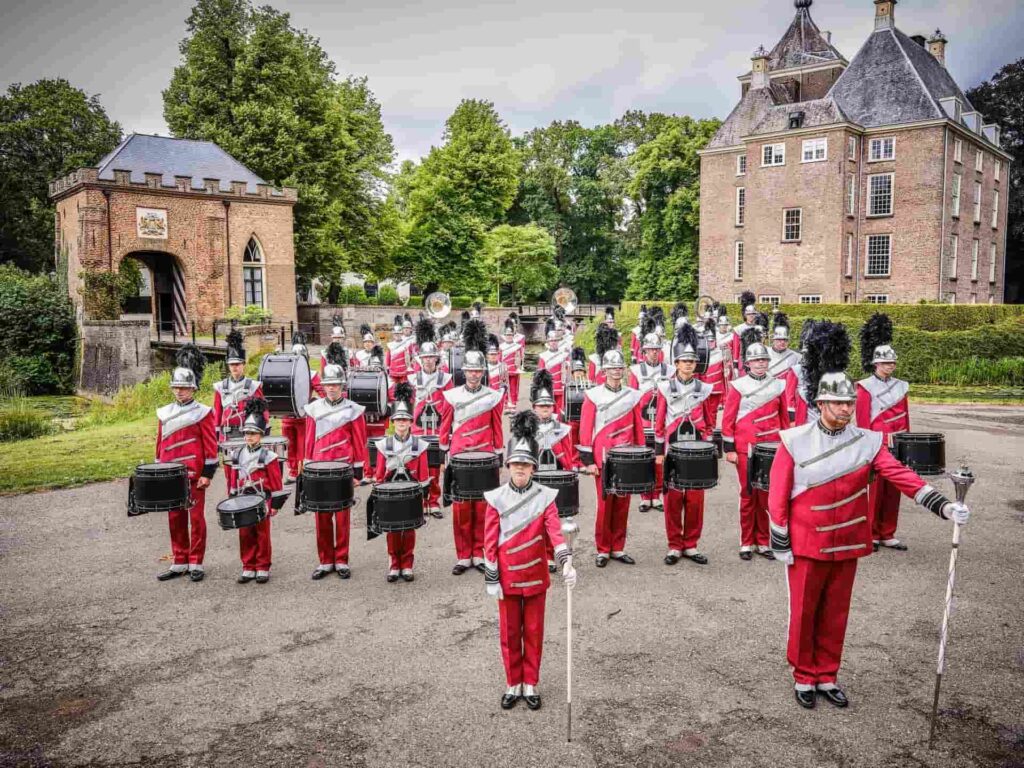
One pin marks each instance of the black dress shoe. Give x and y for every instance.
(835, 697)
(318, 574)
(243, 579)
(458, 569)
(533, 702)
(804, 698)
(746, 555)
(392, 578)
(601, 561)
(899, 546)
(874, 547)
(767, 554)
(624, 558)
(480, 567)
(197, 575)
(698, 558)
(408, 577)
(343, 573)
(509, 700)
(263, 579)
(168, 575)
(552, 567)
(671, 559)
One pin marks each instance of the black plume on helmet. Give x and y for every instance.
(425, 330)
(579, 355)
(364, 329)
(474, 335)
(806, 330)
(679, 310)
(405, 393)
(687, 334)
(335, 354)
(781, 320)
(298, 338)
(874, 333)
(541, 380)
(256, 406)
(606, 339)
(750, 336)
(191, 357)
(828, 351)
(746, 299)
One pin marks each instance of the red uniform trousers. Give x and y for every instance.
(332, 535)
(294, 431)
(434, 489)
(884, 500)
(711, 409)
(254, 546)
(612, 519)
(188, 529)
(513, 391)
(468, 527)
(559, 403)
(401, 546)
(659, 484)
(521, 624)
(684, 518)
(574, 431)
(819, 596)
(753, 508)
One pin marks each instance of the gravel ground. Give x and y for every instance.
(104, 666)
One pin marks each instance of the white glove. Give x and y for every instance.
(956, 511)
(494, 590)
(569, 574)
(784, 556)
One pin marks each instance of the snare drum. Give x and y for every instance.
(568, 486)
(759, 465)
(397, 506)
(227, 448)
(158, 487)
(691, 465)
(242, 511)
(923, 452)
(435, 457)
(285, 383)
(327, 486)
(629, 469)
(474, 473)
(279, 445)
(370, 390)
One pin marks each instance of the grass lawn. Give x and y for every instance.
(942, 393)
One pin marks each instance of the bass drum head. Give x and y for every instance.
(369, 389)
(703, 354)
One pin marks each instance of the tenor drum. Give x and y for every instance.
(568, 486)
(327, 486)
(370, 390)
(242, 511)
(227, 448)
(759, 465)
(158, 487)
(703, 355)
(923, 452)
(455, 357)
(474, 473)
(435, 457)
(285, 383)
(279, 445)
(574, 397)
(691, 465)
(397, 506)
(629, 469)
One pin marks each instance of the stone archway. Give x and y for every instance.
(166, 284)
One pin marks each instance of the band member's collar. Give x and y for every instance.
(755, 377)
(474, 389)
(883, 379)
(335, 402)
(524, 489)
(690, 380)
(830, 432)
(240, 378)
(187, 403)
(609, 387)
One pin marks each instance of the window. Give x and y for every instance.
(974, 298)
(977, 202)
(811, 299)
(991, 298)
(252, 276)
(741, 165)
(849, 255)
(879, 255)
(772, 300)
(792, 219)
(851, 148)
(992, 263)
(995, 209)
(741, 206)
(773, 154)
(954, 255)
(737, 269)
(997, 168)
(951, 298)
(880, 195)
(979, 161)
(877, 298)
(882, 149)
(958, 151)
(974, 259)
(846, 298)
(815, 150)
(851, 195)
(956, 195)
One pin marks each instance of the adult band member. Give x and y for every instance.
(401, 350)
(644, 377)
(187, 434)
(577, 378)
(781, 357)
(553, 360)
(520, 522)
(449, 335)
(800, 411)
(681, 416)
(293, 428)
(337, 337)
(429, 383)
(755, 411)
(716, 374)
(255, 469)
(637, 333)
(231, 394)
(471, 423)
(820, 516)
(511, 352)
(610, 418)
(606, 338)
(724, 339)
(377, 423)
(361, 358)
(497, 373)
(401, 457)
(335, 431)
(748, 306)
(680, 316)
(882, 406)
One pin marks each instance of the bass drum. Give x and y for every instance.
(703, 354)
(574, 397)
(568, 486)
(759, 465)
(370, 390)
(455, 357)
(285, 383)
(923, 452)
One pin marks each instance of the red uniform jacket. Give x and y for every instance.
(511, 356)
(399, 356)
(430, 389)
(818, 497)
(609, 419)
(882, 405)
(680, 413)
(635, 344)
(229, 399)
(336, 432)
(187, 434)
(554, 439)
(755, 411)
(410, 455)
(800, 411)
(554, 362)
(473, 421)
(594, 371)
(645, 379)
(780, 362)
(714, 377)
(254, 470)
(518, 526)
(736, 345)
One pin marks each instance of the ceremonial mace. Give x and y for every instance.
(569, 530)
(962, 481)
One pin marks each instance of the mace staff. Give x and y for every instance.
(569, 531)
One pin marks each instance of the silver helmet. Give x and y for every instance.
(836, 387)
(333, 374)
(723, 322)
(474, 360)
(884, 353)
(405, 396)
(428, 349)
(184, 377)
(756, 351)
(652, 341)
(612, 359)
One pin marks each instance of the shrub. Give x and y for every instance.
(142, 400)
(20, 421)
(387, 295)
(974, 371)
(353, 294)
(104, 293)
(251, 314)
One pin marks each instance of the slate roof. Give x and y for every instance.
(141, 153)
(817, 112)
(752, 108)
(802, 45)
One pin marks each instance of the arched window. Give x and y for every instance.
(252, 273)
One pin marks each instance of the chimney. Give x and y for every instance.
(884, 14)
(828, 36)
(919, 39)
(759, 68)
(937, 46)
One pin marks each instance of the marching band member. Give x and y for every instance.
(657, 315)
(377, 423)
(187, 434)
(636, 335)
(335, 431)
(680, 316)
(512, 358)
(724, 336)
(476, 311)
(401, 457)
(518, 337)
(400, 350)
(748, 306)
(520, 521)
(255, 469)
(293, 428)
(715, 375)
(882, 406)
(820, 515)
(610, 418)
(681, 415)
(644, 377)
(497, 373)
(232, 393)
(361, 357)
(755, 411)
(781, 357)
(606, 338)
(800, 411)
(553, 359)
(471, 423)
(429, 383)
(337, 337)
(449, 336)
(577, 377)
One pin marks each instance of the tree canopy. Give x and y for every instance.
(518, 263)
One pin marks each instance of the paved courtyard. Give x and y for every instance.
(101, 665)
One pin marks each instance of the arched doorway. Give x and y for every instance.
(164, 281)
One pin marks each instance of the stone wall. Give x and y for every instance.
(115, 354)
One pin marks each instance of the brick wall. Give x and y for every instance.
(115, 354)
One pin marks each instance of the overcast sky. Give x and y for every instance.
(537, 60)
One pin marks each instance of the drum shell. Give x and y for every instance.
(703, 355)
(759, 465)
(285, 383)
(371, 454)
(630, 471)
(231, 515)
(435, 456)
(456, 356)
(161, 487)
(650, 440)
(328, 488)
(473, 474)
(716, 438)
(370, 390)
(691, 466)
(568, 486)
(574, 397)
(279, 445)
(923, 452)
(398, 506)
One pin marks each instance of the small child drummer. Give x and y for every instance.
(256, 469)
